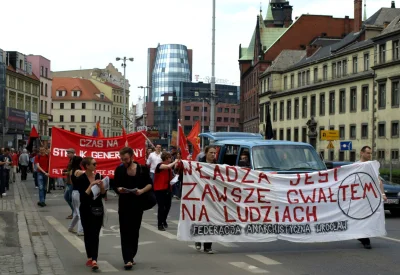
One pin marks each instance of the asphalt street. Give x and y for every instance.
(160, 252)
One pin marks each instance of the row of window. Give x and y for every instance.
(219, 109)
(44, 71)
(119, 99)
(83, 106)
(19, 85)
(43, 91)
(23, 102)
(219, 119)
(83, 119)
(394, 154)
(106, 132)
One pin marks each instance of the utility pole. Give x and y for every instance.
(212, 97)
(144, 102)
(124, 59)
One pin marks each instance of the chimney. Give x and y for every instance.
(393, 5)
(311, 49)
(357, 15)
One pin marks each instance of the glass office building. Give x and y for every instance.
(171, 67)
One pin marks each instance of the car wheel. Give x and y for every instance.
(395, 212)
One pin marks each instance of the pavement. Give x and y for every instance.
(35, 240)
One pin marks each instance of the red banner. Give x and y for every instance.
(104, 150)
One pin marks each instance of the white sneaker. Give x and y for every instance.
(71, 230)
(80, 234)
(36, 187)
(4, 194)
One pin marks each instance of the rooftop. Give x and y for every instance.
(33, 76)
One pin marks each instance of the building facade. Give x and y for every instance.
(3, 108)
(349, 86)
(41, 67)
(78, 105)
(168, 66)
(270, 37)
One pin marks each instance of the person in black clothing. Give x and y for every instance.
(91, 210)
(210, 157)
(130, 175)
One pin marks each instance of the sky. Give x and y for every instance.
(92, 33)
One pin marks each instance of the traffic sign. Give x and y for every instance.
(346, 145)
(329, 134)
(330, 145)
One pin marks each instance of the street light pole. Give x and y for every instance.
(212, 97)
(124, 59)
(144, 102)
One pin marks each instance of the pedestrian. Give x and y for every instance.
(42, 164)
(76, 201)
(13, 170)
(24, 162)
(35, 170)
(130, 175)
(366, 155)
(91, 209)
(154, 159)
(2, 181)
(68, 188)
(162, 188)
(7, 168)
(209, 157)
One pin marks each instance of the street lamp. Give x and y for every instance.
(144, 102)
(124, 59)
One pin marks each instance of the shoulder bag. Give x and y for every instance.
(148, 199)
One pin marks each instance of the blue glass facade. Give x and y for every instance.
(171, 67)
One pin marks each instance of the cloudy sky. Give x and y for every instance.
(91, 33)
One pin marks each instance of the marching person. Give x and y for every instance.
(76, 201)
(366, 155)
(42, 166)
(130, 175)
(7, 168)
(91, 210)
(209, 157)
(68, 186)
(24, 162)
(153, 160)
(2, 181)
(13, 171)
(162, 188)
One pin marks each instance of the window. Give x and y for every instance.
(395, 129)
(232, 120)
(332, 103)
(233, 110)
(381, 129)
(288, 134)
(304, 134)
(188, 108)
(226, 110)
(353, 132)
(281, 110)
(196, 108)
(308, 77)
(226, 119)
(187, 117)
(395, 94)
(83, 118)
(45, 89)
(296, 134)
(219, 110)
(315, 75)
(366, 61)
(342, 101)
(285, 83)
(61, 118)
(46, 72)
(289, 109)
(45, 107)
(334, 70)
(72, 105)
(84, 106)
(95, 106)
(321, 129)
(219, 119)
(275, 111)
(381, 154)
(304, 107)
(364, 98)
(396, 52)
(299, 80)
(382, 96)
(341, 155)
(196, 118)
(395, 154)
(382, 53)
(61, 105)
(322, 104)
(342, 132)
(292, 81)
(75, 93)
(313, 106)
(72, 130)
(83, 131)
(72, 118)
(353, 100)
(95, 119)
(325, 72)
(344, 67)
(296, 108)
(281, 137)
(364, 130)
(355, 64)
(339, 69)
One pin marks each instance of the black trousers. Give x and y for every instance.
(7, 178)
(24, 172)
(129, 226)
(164, 199)
(2, 182)
(91, 226)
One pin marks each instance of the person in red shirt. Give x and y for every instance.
(42, 163)
(14, 160)
(162, 188)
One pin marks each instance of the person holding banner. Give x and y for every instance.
(91, 209)
(132, 180)
(209, 157)
(42, 164)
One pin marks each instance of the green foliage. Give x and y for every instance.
(385, 173)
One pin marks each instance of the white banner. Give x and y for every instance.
(223, 203)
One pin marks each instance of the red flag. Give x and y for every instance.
(97, 132)
(32, 137)
(194, 139)
(182, 142)
(124, 136)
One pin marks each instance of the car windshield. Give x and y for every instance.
(286, 158)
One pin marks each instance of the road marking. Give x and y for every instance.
(109, 210)
(105, 266)
(175, 222)
(390, 239)
(140, 243)
(249, 268)
(73, 239)
(263, 259)
(155, 230)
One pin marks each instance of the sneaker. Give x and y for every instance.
(4, 195)
(71, 230)
(208, 251)
(94, 265)
(89, 263)
(80, 234)
(41, 204)
(161, 228)
(44, 204)
(165, 225)
(198, 246)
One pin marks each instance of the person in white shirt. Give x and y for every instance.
(154, 159)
